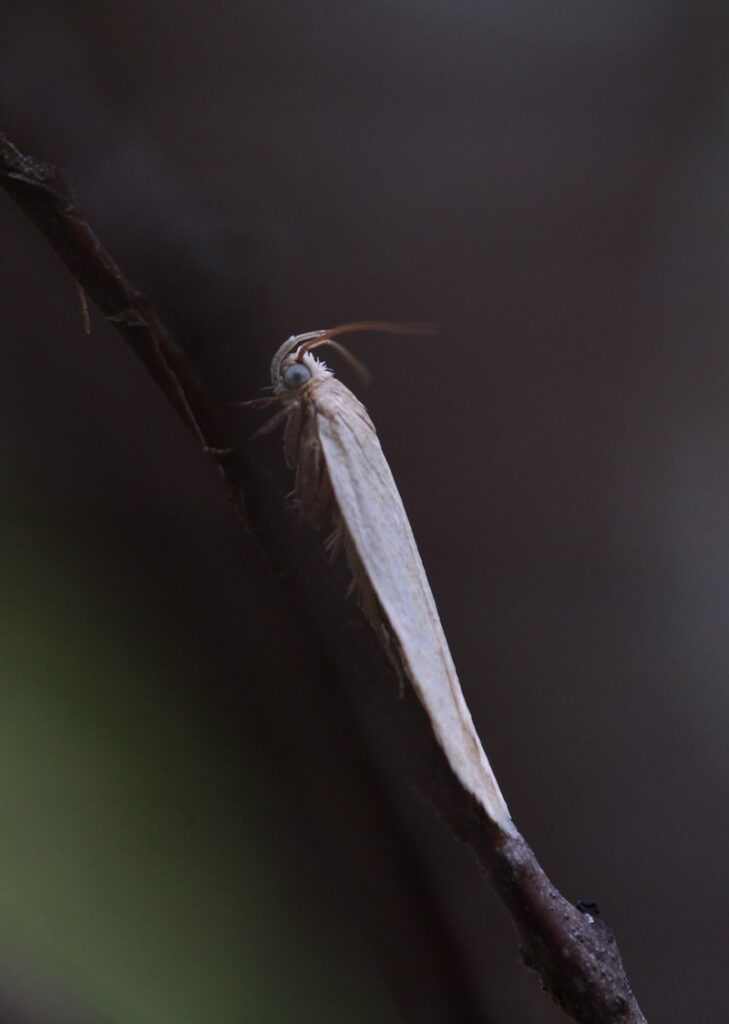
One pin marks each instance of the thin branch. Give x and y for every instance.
(573, 951)
(43, 195)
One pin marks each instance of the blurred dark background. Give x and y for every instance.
(188, 833)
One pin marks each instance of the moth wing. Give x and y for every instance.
(375, 519)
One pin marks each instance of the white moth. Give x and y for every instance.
(342, 472)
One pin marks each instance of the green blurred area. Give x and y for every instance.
(137, 869)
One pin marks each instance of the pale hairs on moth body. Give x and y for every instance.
(341, 471)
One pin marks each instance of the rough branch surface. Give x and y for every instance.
(572, 950)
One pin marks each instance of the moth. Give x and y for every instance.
(341, 473)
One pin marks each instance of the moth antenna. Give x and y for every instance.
(388, 326)
(327, 338)
(296, 340)
(355, 363)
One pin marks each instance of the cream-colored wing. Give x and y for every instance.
(375, 519)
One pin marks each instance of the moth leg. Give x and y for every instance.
(360, 585)
(334, 542)
(293, 434)
(397, 663)
(311, 484)
(394, 656)
(312, 481)
(323, 501)
(372, 609)
(271, 424)
(256, 403)
(218, 455)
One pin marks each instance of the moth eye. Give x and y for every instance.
(296, 375)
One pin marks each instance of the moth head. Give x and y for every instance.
(297, 370)
(289, 370)
(294, 366)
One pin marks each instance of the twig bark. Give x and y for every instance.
(572, 950)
